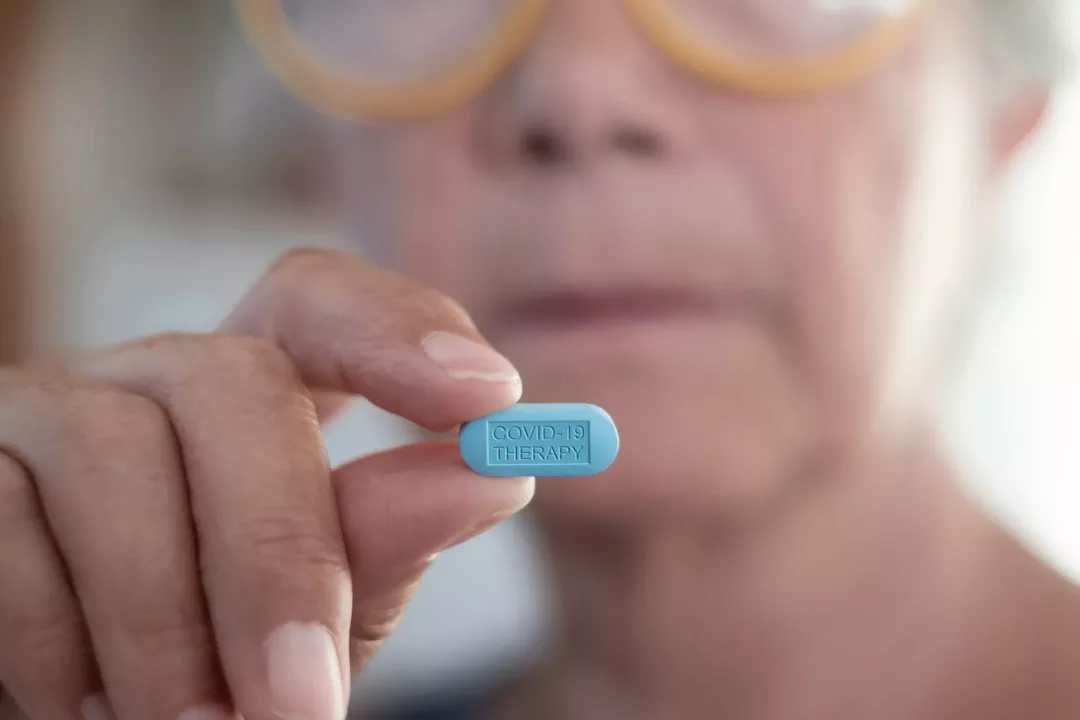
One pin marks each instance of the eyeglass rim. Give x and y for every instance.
(815, 74)
(267, 27)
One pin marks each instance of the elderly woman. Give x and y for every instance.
(745, 228)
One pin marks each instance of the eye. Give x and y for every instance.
(782, 29)
(393, 40)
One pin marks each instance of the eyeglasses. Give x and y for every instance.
(398, 60)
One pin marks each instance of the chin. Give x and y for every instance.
(714, 429)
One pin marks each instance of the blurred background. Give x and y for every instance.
(168, 171)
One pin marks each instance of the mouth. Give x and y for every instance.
(572, 310)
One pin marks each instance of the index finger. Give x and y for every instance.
(356, 329)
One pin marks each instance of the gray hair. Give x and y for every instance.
(1025, 41)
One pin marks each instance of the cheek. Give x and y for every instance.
(841, 238)
(846, 174)
(414, 192)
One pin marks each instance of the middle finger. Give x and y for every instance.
(275, 571)
(108, 474)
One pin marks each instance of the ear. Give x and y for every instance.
(1017, 118)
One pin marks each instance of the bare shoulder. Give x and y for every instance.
(1019, 655)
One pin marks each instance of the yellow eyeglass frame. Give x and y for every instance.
(332, 92)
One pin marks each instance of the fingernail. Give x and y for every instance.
(465, 359)
(207, 712)
(304, 673)
(96, 707)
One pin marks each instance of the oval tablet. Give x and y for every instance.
(554, 440)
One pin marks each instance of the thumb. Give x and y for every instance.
(398, 510)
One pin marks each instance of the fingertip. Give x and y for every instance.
(304, 674)
(525, 489)
(462, 358)
(481, 381)
(407, 383)
(96, 707)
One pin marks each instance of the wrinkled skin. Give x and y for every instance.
(757, 290)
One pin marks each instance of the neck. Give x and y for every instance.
(809, 611)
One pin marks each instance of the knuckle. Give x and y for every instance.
(59, 425)
(97, 419)
(50, 645)
(26, 394)
(401, 296)
(244, 358)
(377, 616)
(375, 630)
(299, 261)
(326, 278)
(301, 269)
(52, 632)
(291, 547)
(18, 498)
(441, 308)
(160, 629)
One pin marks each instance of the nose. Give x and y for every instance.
(588, 89)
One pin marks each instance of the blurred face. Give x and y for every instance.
(750, 286)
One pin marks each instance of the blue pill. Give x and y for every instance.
(556, 440)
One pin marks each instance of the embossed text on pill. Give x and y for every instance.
(525, 442)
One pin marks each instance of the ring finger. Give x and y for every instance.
(111, 489)
(46, 668)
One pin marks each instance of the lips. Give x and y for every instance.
(573, 309)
